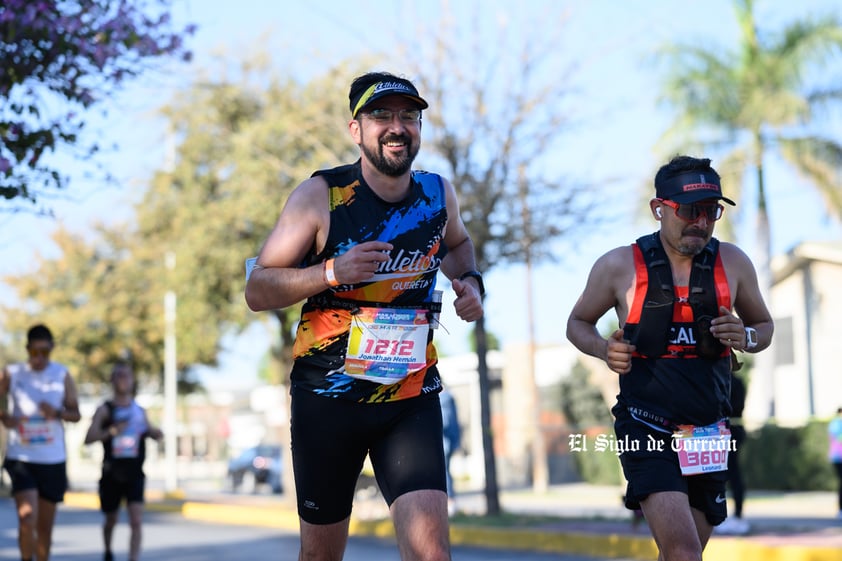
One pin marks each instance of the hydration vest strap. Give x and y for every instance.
(651, 334)
(702, 299)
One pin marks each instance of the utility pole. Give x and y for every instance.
(170, 385)
(540, 469)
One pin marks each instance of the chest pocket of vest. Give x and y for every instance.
(651, 334)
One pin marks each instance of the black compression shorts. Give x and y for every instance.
(330, 440)
(649, 470)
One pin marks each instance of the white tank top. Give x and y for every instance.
(36, 439)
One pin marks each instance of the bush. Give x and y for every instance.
(598, 467)
(787, 459)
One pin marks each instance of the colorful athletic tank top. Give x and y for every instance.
(678, 387)
(36, 439)
(124, 454)
(834, 433)
(129, 442)
(415, 227)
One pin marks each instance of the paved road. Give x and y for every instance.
(168, 536)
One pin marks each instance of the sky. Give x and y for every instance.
(609, 39)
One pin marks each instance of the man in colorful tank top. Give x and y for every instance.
(834, 454)
(685, 303)
(362, 244)
(41, 397)
(122, 426)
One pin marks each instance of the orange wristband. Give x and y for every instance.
(330, 274)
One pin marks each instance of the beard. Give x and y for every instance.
(690, 250)
(700, 241)
(392, 167)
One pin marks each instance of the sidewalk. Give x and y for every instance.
(575, 518)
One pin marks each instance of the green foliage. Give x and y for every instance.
(757, 99)
(96, 299)
(788, 459)
(587, 413)
(243, 143)
(598, 467)
(582, 402)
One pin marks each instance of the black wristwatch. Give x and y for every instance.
(478, 276)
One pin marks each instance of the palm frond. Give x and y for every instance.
(818, 161)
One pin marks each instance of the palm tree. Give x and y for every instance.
(759, 101)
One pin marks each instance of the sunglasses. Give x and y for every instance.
(39, 352)
(385, 116)
(692, 212)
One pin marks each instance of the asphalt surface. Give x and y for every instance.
(576, 519)
(169, 536)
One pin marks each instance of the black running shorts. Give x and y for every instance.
(650, 470)
(330, 440)
(113, 490)
(49, 479)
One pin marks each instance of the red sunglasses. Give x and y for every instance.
(691, 212)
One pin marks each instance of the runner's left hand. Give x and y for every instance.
(729, 329)
(468, 303)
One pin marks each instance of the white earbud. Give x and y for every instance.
(658, 211)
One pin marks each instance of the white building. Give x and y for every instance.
(805, 381)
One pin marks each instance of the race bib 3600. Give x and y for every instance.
(702, 449)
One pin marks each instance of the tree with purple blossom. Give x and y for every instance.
(58, 58)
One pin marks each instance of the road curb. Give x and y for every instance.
(612, 545)
(246, 515)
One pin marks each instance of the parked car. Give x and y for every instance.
(256, 466)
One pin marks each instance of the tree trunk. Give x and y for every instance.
(540, 465)
(492, 498)
(760, 398)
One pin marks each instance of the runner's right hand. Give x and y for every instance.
(618, 353)
(359, 263)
